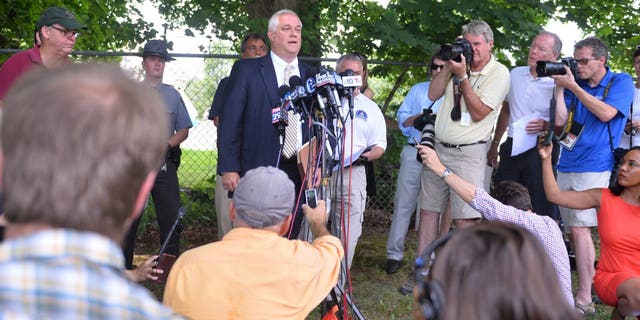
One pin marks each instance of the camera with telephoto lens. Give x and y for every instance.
(454, 51)
(550, 68)
(426, 123)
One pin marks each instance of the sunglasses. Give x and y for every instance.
(435, 67)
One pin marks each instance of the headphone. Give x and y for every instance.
(430, 295)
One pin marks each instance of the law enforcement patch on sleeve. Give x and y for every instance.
(361, 114)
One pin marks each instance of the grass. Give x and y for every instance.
(374, 292)
(196, 166)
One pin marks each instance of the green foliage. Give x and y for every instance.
(197, 180)
(112, 24)
(201, 90)
(616, 22)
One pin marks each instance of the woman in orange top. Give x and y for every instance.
(617, 278)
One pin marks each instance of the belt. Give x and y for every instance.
(359, 162)
(354, 165)
(412, 144)
(448, 145)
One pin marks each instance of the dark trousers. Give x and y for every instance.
(290, 167)
(526, 169)
(166, 200)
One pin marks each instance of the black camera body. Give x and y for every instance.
(550, 68)
(426, 123)
(454, 51)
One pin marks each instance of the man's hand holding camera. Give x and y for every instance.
(565, 80)
(317, 218)
(631, 127)
(458, 69)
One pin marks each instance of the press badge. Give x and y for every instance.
(569, 139)
(465, 119)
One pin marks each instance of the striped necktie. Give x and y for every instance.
(293, 128)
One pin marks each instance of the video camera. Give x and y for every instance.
(454, 51)
(550, 68)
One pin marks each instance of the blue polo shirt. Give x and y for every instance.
(592, 152)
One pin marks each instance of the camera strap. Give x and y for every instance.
(632, 132)
(456, 112)
(572, 111)
(604, 96)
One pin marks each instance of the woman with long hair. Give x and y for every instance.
(617, 278)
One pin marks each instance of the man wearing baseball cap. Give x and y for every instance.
(254, 272)
(54, 38)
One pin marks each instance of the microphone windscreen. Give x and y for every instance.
(347, 73)
(283, 90)
(295, 81)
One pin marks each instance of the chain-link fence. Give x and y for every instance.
(196, 77)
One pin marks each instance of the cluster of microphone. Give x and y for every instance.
(322, 92)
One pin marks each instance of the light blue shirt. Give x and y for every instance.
(70, 274)
(416, 100)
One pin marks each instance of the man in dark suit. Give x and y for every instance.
(246, 137)
(254, 45)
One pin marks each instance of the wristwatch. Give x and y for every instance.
(458, 81)
(447, 172)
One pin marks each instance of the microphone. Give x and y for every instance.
(327, 80)
(310, 85)
(279, 117)
(350, 81)
(299, 94)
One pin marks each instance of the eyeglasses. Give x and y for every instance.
(584, 61)
(67, 33)
(435, 67)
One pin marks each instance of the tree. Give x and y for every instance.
(404, 30)
(409, 30)
(614, 22)
(202, 90)
(112, 24)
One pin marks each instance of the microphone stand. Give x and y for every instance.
(181, 212)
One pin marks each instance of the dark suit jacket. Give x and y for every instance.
(246, 137)
(218, 98)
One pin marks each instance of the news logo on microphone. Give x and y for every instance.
(352, 81)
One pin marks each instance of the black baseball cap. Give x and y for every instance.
(61, 16)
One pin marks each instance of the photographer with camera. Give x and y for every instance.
(529, 98)
(474, 86)
(412, 117)
(631, 136)
(597, 101)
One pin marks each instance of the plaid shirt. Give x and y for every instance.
(542, 227)
(67, 274)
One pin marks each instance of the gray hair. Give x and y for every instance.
(273, 21)
(478, 27)
(557, 43)
(598, 47)
(350, 57)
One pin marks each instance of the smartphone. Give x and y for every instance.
(415, 141)
(310, 194)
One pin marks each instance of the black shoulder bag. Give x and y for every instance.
(618, 153)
